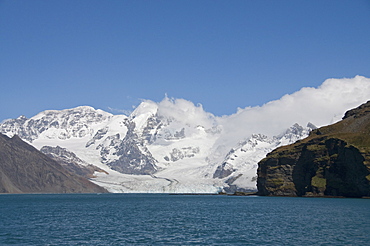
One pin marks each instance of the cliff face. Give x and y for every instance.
(24, 169)
(333, 161)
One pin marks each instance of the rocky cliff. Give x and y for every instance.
(24, 169)
(333, 161)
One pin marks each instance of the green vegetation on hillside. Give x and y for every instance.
(333, 161)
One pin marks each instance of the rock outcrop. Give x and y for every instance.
(71, 162)
(333, 161)
(24, 169)
(134, 158)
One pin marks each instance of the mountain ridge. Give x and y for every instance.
(23, 169)
(147, 144)
(175, 146)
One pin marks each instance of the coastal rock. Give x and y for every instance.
(333, 161)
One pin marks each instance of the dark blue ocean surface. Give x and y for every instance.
(161, 219)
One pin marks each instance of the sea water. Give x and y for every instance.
(163, 219)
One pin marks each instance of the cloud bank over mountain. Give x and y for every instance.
(176, 146)
(320, 106)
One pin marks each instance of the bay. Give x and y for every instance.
(163, 219)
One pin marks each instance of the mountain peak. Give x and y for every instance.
(22, 117)
(79, 109)
(146, 107)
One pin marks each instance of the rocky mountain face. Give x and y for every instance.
(152, 147)
(70, 123)
(176, 146)
(333, 161)
(134, 157)
(24, 169)
(240, 163)
(71, 162)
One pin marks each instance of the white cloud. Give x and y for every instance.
(321, 106)
(120, 111)
(186, 112)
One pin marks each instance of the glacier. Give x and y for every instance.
(174, 146)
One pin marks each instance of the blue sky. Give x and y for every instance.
(221, 54)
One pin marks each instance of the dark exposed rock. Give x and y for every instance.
(359, 111)
(134, 158)
(179, 134)
(223, 171)
(98, 135)
(70, 161)
(154, 124)
(111, 149)
(234, 189)
(259, 143)
(71, 122)
(333, 161)
(179, 154)
(24, 169)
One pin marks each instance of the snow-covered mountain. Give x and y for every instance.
(175, 146)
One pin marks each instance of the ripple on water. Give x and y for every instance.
(144, 219)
